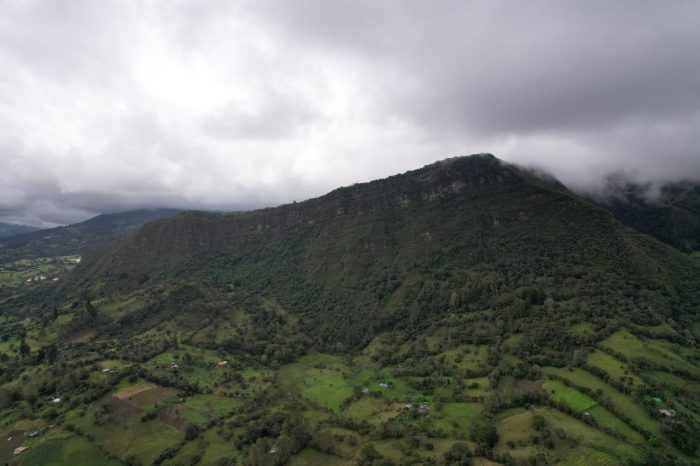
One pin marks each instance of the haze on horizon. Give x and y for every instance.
(111, 105)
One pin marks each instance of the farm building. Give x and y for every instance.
(20, 450)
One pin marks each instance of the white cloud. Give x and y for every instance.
(112, 105)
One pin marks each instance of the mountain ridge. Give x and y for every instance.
(353, 261)
(79, 237)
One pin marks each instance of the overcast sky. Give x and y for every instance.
(113, 105)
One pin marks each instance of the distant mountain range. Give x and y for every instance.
(79, 237)
(11, 229)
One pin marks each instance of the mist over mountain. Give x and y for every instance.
(325, 286)
(290, 102)
(10, 229)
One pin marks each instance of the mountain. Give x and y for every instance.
(468, 312)
(672, 215)
(79, 237)
(458, 235)
(11, 229)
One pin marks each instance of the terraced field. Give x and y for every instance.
(569, 396)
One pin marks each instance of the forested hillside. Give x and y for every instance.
(469, 312)
(672, 215)
(460, 235)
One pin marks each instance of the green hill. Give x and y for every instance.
(460, 235)
(11, 229)
(77, 238)
(469, 312)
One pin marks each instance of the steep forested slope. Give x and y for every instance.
(462, 234)
(469, 309)
(671, 216)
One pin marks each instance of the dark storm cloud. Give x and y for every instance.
(228, 105)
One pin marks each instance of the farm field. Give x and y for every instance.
(311, 457)
(657, 352)
(569, 396)
(617, 370)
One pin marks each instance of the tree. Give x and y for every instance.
(458, 455)
(191, 432)
(483, 432)
(538, 422)
(368, 454)
(24, 347)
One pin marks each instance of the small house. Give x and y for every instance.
(32, 433)
(424, 408)
(383, 385)
(657, 399)
(56, 400)
(221, 363)
(365, 391)
(20, 450)
(667, 412)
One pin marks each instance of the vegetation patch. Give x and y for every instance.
(568, 396)
(311, 457)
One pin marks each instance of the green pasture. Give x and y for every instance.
(622, 402)
(456, 417)
(658, 352)
(311, 457)
(319, 379)
(569, 396)
(616, 369)
(69, 451)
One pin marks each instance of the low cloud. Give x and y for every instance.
(106, 106)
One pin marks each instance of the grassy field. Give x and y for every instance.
(216, 447)
(616, 369)
(587, 456)
(581, 329)
(471, 357)
(318, 378)
(65, 450)
(622, 402)
(668, 380)
(144, 440)
(311, 457)
(515, 427)
(456, 417)
(569, 396)
(607, 419)
(201, 408)
(658, 352)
